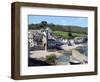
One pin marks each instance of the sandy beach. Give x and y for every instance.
(70, 48)
(75, 55)
(43, 54)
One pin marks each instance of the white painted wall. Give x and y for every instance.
(5, 40)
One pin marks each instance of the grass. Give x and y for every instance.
(65, 34)
(51, 58)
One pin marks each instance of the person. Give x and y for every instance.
(44, 42)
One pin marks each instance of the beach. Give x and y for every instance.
(74, 56)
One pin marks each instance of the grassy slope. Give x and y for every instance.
(65, 34)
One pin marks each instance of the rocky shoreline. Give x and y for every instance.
(71, 56)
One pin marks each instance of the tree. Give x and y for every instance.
(70, 33)
(44, 24)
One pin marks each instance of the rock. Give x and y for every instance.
(79, 56)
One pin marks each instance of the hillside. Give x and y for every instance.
(64, 28)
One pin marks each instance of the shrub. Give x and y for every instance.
(51, 58)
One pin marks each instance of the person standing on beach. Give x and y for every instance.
(44, 40)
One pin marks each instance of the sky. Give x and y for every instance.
(61, 20)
